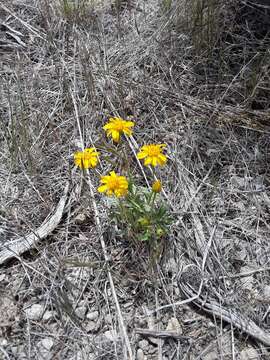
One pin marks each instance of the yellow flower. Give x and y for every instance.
(152, 154)
(117, 126)
(157, 186)
(114, 184)
(86, 159)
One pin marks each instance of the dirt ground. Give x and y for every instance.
(71, 287)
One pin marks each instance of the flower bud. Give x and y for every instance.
(157, 186)
(143, 221)
(160, 232)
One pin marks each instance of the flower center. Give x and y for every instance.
(119, 126)
(87, 156)
(153, 150)
(113, 184)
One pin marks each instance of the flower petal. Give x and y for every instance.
(115, 135)
(155, 161)
(127, 131)
(162, 158)
(141, 155)
(108, 126)
(148, 161)
(130, 123)
(102, 188)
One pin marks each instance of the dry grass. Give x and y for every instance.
(66, 66)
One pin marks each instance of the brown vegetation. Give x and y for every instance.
(192, 74)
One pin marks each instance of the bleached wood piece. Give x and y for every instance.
(22, 244)
(231, 316)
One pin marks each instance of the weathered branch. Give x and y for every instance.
(22, 244)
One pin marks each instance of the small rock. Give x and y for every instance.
(211, 356)
(249, 354)
(46, 343)
(174, 325)
(93, 315)
(140, 355)
(80, 219)
(108, 319)
(34, 312)
(48, 315)
(44, 347)
(3, 342)
(177, 291)
(111, 335)
(18, 352)
(266, 291)
(143, 344)
(81, 311)
(90, 326)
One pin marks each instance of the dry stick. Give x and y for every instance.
(230, 316)
(25, 243)
(104, 249)
(130, 143)
(161, 334)
(244, 274)
(178, 303)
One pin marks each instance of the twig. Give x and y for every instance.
(231, 316)
(178, 303)
(161, 334)
(244, 274)
(25, 243)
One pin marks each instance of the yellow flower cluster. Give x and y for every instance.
(114, 184)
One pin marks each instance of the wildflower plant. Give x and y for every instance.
(142, 215)
(137, 212)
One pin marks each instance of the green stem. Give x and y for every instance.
(153, 198)
(123, 210)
